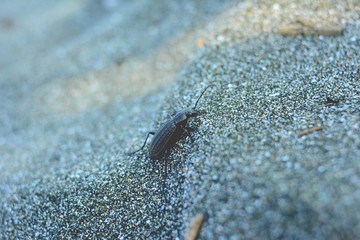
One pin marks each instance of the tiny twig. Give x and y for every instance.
(195, 226)
(309, 131)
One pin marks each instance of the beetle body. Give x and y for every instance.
(170, 132)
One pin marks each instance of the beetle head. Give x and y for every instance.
(183, 116)
(192, 113)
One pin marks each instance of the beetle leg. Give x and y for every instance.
(188, 130)
(149, 133)
(191, 129)
(166, 155)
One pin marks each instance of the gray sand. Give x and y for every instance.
(276, 152)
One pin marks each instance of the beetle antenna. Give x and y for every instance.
(200, 96)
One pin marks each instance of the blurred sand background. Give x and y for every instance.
(275, 157)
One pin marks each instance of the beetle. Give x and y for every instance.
(171, 132)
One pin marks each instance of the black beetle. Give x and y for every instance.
(170, 132)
